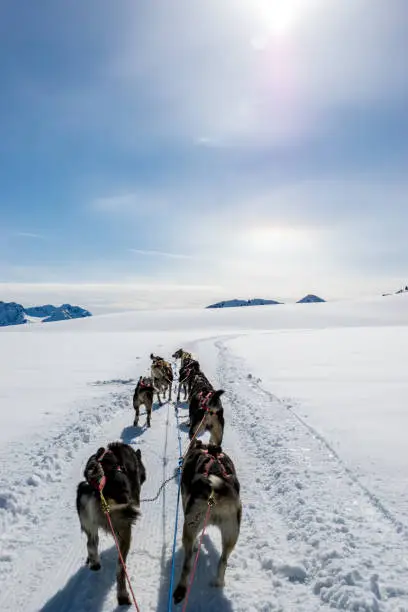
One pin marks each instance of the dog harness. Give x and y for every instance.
(99, 483)
(144, 385)
(215, 459)
(187, 374)
(204, 400)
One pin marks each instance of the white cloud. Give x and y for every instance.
(150, 253)
(276, 242)
(29, 235)
(111, 297)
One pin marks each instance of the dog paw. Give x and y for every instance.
(179, 594)
(124, 600)
(95, 567)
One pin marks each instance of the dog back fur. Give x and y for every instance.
(205, 408)
(207, 471)
(143, 395)
(125, 473)
(162, 376)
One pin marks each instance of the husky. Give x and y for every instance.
(143, 395)
(197, 382)
(162, 376)
(208, 476)
(186, 376)
(206, 413)
(182, 355)
(120, 471)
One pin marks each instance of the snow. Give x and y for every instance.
(351, 386)
(315, 424)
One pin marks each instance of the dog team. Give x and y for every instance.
(207, 474)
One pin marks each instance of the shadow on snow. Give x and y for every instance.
(130, 433)
(203, 597)
(86, 590)
(184, 427)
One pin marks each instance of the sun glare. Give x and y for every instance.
(278, 15)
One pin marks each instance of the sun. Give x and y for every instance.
(278, 18)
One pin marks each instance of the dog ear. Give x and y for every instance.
(151, 356)
(216, 396)
(138, 453)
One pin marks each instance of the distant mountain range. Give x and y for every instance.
(12, 313)
(310, 298)
(234, 303)
(261, 302)
(402, 290)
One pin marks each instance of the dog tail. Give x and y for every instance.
(125, 512)
(217, 483)
(222, 487)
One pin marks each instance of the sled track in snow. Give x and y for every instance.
(400, 527)
(351, 552)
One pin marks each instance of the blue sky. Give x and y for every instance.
(171, 153)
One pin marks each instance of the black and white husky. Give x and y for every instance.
(187, 374)
(206, 412)
(162, 376)
(143, 395)
(121, 470)
(208, 471)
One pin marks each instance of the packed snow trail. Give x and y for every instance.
(350, 553)
(311, 539)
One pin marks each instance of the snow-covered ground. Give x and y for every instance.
(315, 423)
(350, 386)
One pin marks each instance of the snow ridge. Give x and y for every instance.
(399, 525)
(348, 552)
(30, 491)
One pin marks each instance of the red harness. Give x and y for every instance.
(143, 384)
(100, 484)
(215, 459)
(204, 400)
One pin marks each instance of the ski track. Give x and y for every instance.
(311, 538)
(350, 552)
(290, 405)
